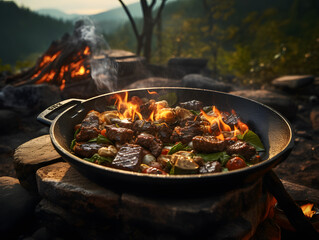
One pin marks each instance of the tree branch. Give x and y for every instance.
(159, 12)
(129, 15)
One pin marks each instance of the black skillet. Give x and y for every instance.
(273, 129)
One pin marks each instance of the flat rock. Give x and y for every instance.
(16, 204)
(293, 81)
(31, 156)
(187, 65)
(199, 81)
(64, 186)
(29, 99)
(314, 118)
(301, 193)
(154, 82)
(279, 102)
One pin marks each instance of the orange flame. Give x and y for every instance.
(152, 92)
(217, 119)
(127, 109)
(307, 210)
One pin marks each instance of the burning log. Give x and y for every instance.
(66, 60)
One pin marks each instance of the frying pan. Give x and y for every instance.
(273, 129)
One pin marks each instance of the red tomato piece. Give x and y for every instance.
(235, 163)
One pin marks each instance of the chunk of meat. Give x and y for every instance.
(185, 134)
(118, 134)
(129, 157)
(125, 123)
(211, 167)
(164, 132)
(241, 148)
(89, 127)
(140, 126)
(208, 144)
(192, 105)
(87, 150)
(150, 142)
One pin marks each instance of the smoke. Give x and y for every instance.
(103, 69)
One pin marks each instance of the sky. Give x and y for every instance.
(74, 6)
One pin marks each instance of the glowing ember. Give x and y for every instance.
(307, 210)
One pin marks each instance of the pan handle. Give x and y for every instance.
(42, 117)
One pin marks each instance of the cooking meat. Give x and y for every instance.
(87, 150)
(151, 143)
(118, 134)
(192, 105)
(241, 148)
(183, 115)
(211, 167)
(185, 134)
(129, 157)
(125, 123)
(140, 126)
(89, 127)
(151, 136)
(208, 144)
(164, 132)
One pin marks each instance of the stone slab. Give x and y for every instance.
(300, 192)
(279, 102)
(31, 156)
(199, 81)
(293, 81)
(64, 186)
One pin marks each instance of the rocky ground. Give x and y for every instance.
(296, 97)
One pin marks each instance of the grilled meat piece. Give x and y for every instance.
(211, 167)
(164, 132)
(185, 134)
(125, 123)
(151, 143)
(147, 108)
(87, 150)
(229, 119)
(140, 126)
(192, 105)
(89, 127)
(241, 148)
(183, 115)
(208, 144)
(129, 157)
(118, 134)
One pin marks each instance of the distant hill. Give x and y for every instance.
(24, 32)
(55, 13)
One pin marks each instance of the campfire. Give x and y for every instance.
(65, 62)
(79, 60)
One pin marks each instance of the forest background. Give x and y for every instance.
(246, 40)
